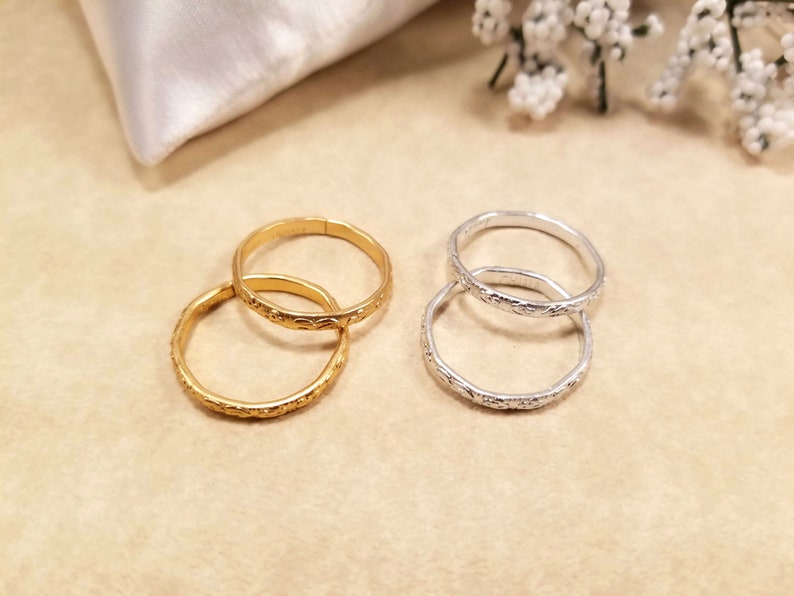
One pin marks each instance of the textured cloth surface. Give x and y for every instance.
(179, 68)
(669, 471)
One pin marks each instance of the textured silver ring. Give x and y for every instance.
(515, 304)
(502, 401)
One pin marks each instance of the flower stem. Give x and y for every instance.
(640, 30)
(603, 106)
(737, 48)
(499, 69)
(517, 33)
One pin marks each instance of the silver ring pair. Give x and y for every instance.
(479, 283)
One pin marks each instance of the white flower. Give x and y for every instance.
(537, 93)
(534, 48)
(710, 6)
(752, 14)
(705, 40)
(655, 27)
(762, 99)
(765, 110)
(605, 22)
(787, 41)
(544, 26)
(748, 14)
(490, 21)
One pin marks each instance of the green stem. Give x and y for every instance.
(602, 88)
(499, 69)
(517, 33)
(640, 31)
(737, 48)
(595, 57)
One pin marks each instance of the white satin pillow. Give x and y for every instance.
(180, 68)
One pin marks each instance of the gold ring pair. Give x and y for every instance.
(247, 288)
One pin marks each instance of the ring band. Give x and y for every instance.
(266, 409)
(523, 401)
(333, 319)
(516, 304)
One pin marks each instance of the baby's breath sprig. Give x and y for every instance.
(762, 93)
(533, 47)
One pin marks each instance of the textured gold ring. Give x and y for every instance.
(266, 409)
(333, 319)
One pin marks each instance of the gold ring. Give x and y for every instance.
(266, 409)
(333, 319)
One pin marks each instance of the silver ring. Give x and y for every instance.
(522, 401)
(516, 304)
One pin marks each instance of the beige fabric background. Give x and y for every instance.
(670, 470)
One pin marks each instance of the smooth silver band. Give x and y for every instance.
(515, 304)
(522, 401)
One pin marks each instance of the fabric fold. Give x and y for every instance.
(179, 69)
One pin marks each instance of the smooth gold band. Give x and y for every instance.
(333, 319)
(266, 409)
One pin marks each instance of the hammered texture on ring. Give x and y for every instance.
(517, 304)
(493, 399)
(480, 283)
